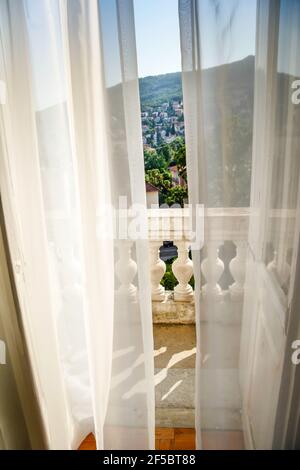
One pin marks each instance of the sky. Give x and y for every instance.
(157, 34)
(157, 40)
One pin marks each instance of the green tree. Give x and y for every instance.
(179, 156)
(158, 137)
(176, 195)
(166, 151)
(162, 179)
(153, 160)
(169, 281)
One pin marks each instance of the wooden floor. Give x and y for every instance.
(174, 439)
(89, 443)
(184, 439)
(165, 439)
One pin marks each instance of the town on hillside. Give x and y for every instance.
(162, 123)
(163, 131)
(164, 153)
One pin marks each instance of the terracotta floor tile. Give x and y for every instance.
(184, 439)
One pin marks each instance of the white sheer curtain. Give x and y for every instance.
(70, 148)
(218, 105)
(240, 350)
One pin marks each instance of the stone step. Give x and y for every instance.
(174, 418)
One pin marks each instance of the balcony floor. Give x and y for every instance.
(174, 361)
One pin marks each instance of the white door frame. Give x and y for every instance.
(16, 345)
(284, 430)
(287, 424)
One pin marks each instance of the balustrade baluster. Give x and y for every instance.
(126, 269)
(158, 269)
(183, 271)
(212, 268)
(237, 267)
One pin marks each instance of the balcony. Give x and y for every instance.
(223, 261)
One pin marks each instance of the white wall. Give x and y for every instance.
(152, 198)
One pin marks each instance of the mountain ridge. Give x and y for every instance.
(155, 89)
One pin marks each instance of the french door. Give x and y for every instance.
(274, 220)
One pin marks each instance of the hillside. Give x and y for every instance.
(230, 118)
(236, 76)
(155, 90)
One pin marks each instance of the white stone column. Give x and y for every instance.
(183, 271)
(126, 269)
(158, 269)
(237, 267)
(212, 268)
(281, 270)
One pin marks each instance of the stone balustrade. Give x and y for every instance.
(222, 260)
(220, 226)
(221, 265)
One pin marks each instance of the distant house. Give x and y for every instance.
(170, 139)
(152, 195)
(179, 111)
(176, 178)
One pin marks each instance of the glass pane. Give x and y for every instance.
(285, 164)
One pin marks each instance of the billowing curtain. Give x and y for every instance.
(232, 99)
(218, 82)
(71, 165)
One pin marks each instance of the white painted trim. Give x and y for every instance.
(18, 353)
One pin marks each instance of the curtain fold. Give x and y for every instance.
(244, 273)
(74, 163)
(218, 109)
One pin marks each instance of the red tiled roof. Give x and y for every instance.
(172, 165)
(150, 188)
